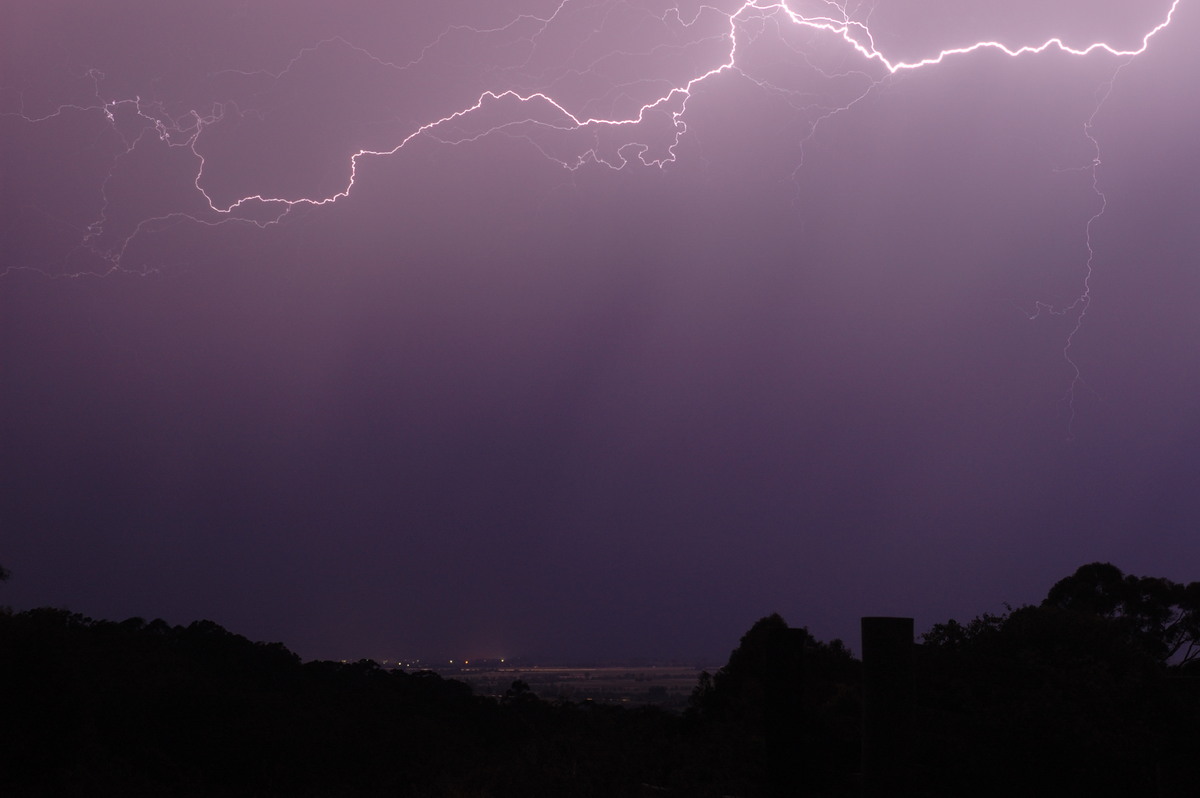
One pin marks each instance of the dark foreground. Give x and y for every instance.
(1095, 692)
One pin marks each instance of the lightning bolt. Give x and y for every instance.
(1079, 306)
(635, 118)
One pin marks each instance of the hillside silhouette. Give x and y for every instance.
(1095, 691)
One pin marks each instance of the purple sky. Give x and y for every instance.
(488, 404)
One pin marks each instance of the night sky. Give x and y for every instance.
(810, 338)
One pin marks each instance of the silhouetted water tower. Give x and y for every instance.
(888, 699)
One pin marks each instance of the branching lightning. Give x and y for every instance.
(637, 120)
(1079, 306)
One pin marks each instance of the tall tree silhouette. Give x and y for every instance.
(1085, 693)
(787, 704)
(1160, 615)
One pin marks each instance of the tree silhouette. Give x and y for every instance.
(1091, 692)
(785, 708)
(1085, 693)
(1160, 615)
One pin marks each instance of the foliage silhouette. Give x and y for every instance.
(787, 707)
(1071, 697)
(1160, 615)
(137, 708)
(1092, 692)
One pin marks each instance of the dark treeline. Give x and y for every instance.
(1096, 691)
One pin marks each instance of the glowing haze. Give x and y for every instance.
(591, 328)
